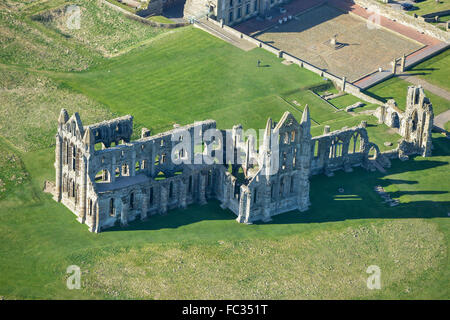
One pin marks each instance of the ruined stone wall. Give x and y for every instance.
(342, 150)
(105, 183)
(414, 125)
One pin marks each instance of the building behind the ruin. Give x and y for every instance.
(229, 11)
(106, 182)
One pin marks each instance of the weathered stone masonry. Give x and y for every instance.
(106, 183)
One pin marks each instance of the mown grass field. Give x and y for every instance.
(435, 70)
(201, 252)
(395, 88)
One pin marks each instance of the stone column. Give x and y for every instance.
(144, 206)
(225, 193)
(83, 189)
(133, 164)
(113, 169)
(124, 214)
(58, 167)
(382, 114)
(402, 63)
(344, 82)
(394, 66)
(163, 200)
(242, 207)
(182, 193)
(202, 189)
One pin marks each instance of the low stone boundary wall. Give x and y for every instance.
(143, 20)
(339, 82)
(417, 23)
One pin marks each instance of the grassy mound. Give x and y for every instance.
(30, 108)
(101, 28)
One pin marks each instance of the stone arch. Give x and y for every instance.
(395, 120)
(112, 207)
(415, 121)
(355, 143)
(373, 152)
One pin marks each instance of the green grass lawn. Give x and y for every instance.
(429, 6)
(179, 77)
(160, 19)
(211, 79)
(396, 89)
(202, 252)
(435, 70)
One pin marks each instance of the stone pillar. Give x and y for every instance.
(382, 114)
(344, 82)
(124, 214)
(182, 193)
(83, 189)
(163, 200)
(326, 129)
(113, 169)
(133, 164)
(202, 189)
(242, 207)
(402, 63)
(225, 194)
(58, 167)
(144, 206)
(394, 66)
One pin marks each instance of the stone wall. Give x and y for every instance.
(405, 19)
(414, 125)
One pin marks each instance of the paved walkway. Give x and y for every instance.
(441, 119)
(223, 34)
(256, 25)
(426, 85)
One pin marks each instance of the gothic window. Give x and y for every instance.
(239, 13)
(286, 138)
(74, 155)
(112, 208)
(292, 184)
(171, 189)
(231, 16)
(247, 9)
(281, 187)
(190, 184)
(255, 5)
(132, 200)
(151, 196)
(255, 193)
(415, 120)
(90, 207)
(231, 3)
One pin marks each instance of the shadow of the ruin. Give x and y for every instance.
(358, 201)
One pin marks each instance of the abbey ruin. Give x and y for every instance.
(104, 182)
